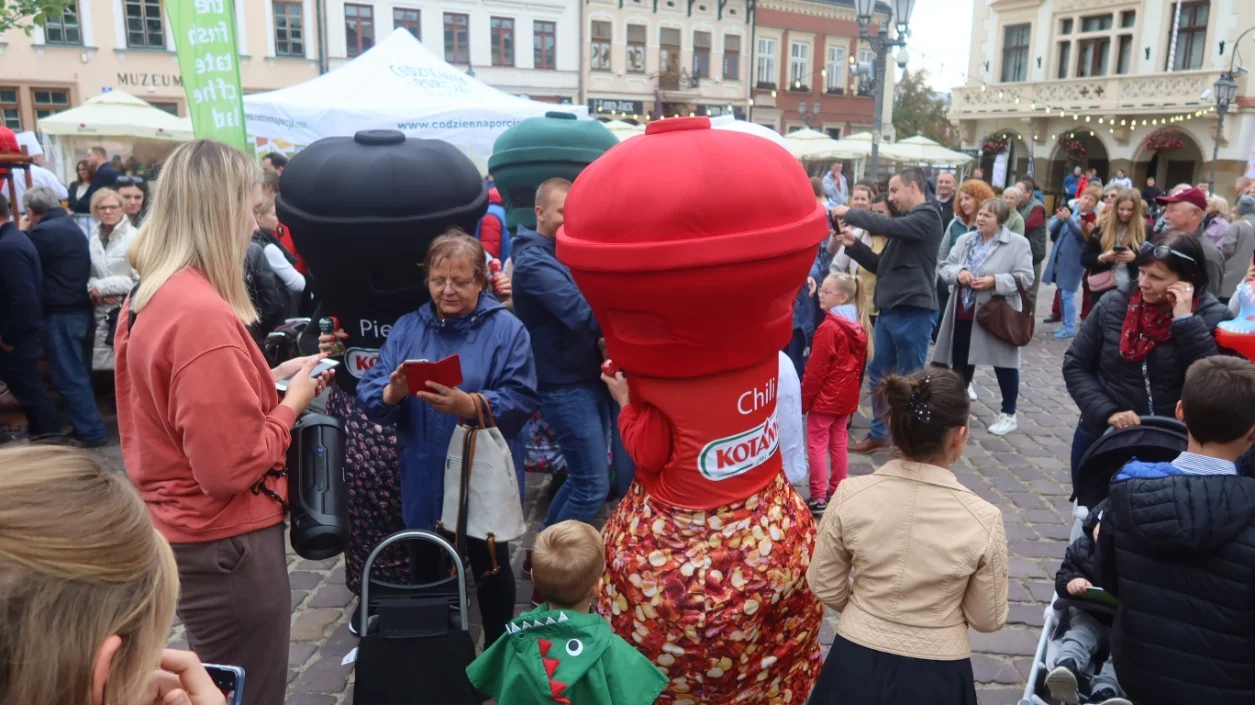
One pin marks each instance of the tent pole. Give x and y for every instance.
(319, 12)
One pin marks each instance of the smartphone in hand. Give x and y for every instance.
(230, 680)
(321, 367)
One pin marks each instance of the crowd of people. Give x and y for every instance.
(174, 293)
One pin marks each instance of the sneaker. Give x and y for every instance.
(868, 445)
(1063, 334)
(1005, 424)
(1107, 696)
(1062, 683)
(971, 392)
(816, 506)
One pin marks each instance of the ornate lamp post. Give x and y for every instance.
(881, 44)
(1226, 88)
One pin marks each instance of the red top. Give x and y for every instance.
(707, 442)
(834, 373)
(490, 227)
(285, 238)
(198, 413)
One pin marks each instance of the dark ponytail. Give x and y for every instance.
(922, 408)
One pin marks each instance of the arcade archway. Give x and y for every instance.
(1170, 155)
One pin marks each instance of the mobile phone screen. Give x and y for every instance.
(321, 367)
(230, 680)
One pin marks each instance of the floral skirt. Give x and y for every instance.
(374, 484)
(543, 453)
(717, 599)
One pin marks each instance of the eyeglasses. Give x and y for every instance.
(1161, 252)
(108, 209)
(457, 284)
(130, 180)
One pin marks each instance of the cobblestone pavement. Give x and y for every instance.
(1024, 473)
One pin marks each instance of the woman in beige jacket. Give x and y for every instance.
(928, 559)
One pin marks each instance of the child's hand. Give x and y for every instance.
(1078, 586)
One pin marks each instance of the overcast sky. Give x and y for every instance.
(941, 38)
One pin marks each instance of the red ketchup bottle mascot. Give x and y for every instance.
(690, 245)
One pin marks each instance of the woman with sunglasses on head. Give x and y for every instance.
(1129, 358)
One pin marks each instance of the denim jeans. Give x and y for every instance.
(902, 337)
(620, 461)
(19, 368)
(1081, 643)
(1068, 299)
(64, 334)
(580, 417)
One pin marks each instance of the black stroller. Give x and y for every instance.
(416, 649)
(1157, 439)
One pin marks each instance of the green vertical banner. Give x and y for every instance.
(204, 34)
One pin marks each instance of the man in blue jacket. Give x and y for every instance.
(1070, 183)
(66, 262)
(106, 176)
(565, 339)
(21, 318)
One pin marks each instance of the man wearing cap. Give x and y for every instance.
(1184, 213)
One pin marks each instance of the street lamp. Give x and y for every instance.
(881, 43)
(1226, 89)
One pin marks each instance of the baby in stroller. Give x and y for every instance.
(1084, 642)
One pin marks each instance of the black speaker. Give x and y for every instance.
(317, 493)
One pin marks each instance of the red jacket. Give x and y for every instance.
(490, 227)
(834, 373)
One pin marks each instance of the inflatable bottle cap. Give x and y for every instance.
(690, 245)
(538, 149)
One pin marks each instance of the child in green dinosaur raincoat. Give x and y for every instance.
(558, 652)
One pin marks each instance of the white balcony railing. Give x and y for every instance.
(1126, 95)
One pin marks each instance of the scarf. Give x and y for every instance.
(1145, 327)
(976, 257)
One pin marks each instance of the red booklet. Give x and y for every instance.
(418, 372)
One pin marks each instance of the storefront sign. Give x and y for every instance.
(606, 105)
(154, 80)
(204, 33)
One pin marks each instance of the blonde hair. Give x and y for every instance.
(1220, 205)
(201, 217)
(101, 195)
(66, 585)
(848, 285)
(267, 205)
(567, 562)
(456, 244)
(1109, 222)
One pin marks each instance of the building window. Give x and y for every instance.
(765, 70)
(1125, 59)
(799, 65)
(1127, 19)
(10, 114)
(602, 39)
(1015, 53)
(1096, 23)
(409, 19)
(172, 108)
(1065, 58)
(359, 29)
(669, 51)
(1065, 27)
(63, 28)
(143, 24)
(636, 48)
(289, 33)
(835, 67)
(1191, 36)
(701, 54)
(457, 44)
(50, 101)
(544, 44)
(502, 41)
(833, 132)
(732, 57)
(1091, 57)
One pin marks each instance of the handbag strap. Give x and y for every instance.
(483, 407)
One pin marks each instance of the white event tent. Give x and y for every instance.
(398, 85)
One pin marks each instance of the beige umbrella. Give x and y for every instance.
(921, 150)
(623, 130)
(809, 145)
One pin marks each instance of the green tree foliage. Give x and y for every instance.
(27, 14)
(917, 111)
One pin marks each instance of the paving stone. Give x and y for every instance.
(332, 595)
(1042, 592)
(1024, 568)
(327, 564)
(989, 670)
(1020, 532)
(302, 580)
(299, 652)
(998, 696)
(325, 675)
(1031, 615)
(1039, 549)
(298, 596)
(1009, 641)
(311, 624)
(310, 699)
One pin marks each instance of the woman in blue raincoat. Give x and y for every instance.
(1070, 231)
(496, 356)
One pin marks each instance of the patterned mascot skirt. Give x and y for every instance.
(717, 599)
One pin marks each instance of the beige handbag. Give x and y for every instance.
(481, 489)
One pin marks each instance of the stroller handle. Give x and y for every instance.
(1164, 422)
(411, 535)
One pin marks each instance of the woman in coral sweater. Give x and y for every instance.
(204, 434)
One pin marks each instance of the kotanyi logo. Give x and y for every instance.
(360, 360)
(728, 457)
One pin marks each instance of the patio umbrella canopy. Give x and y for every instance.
(623, 130)
(118, 114)
(809, 145)
(921, 150)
